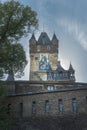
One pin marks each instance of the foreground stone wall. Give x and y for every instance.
(50, 123)
(40, 99)
(26, 104)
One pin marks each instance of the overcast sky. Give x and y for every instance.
(68, 19)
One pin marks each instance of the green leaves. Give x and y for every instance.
(14, 59)
(16, 20)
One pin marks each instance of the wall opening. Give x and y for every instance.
(60, 105)
(34, 107)
(47, 106)
(74, 105)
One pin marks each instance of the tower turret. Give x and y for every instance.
(43, 56)
(54, 39)
(32, 40)
(71, 72)
(44, 63)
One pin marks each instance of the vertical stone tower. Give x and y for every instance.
(44, 64)
(43, 56)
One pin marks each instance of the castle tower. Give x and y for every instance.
(43, 56)
(44, 64)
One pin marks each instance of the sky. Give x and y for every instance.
(68, 19)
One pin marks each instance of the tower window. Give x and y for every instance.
(33, 107)
(74, 105)
(60, 105)
(47, 107)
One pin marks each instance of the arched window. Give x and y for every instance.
(60, 105)
(47, 106)
(33, 107)
(74, 105)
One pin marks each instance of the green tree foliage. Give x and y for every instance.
(12, 59)
(15, 59)
(16, 20)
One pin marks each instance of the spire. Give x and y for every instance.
(33, 37)
(71, 68)
(54, 39)
(43, 27)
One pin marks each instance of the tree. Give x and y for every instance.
(12, 59)
(15, 61)
(16, 20)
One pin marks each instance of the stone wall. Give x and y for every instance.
(52, 97)
(78, 122)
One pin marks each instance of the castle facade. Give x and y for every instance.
(51, 90)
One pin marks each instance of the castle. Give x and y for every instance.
(44, 64)
(51, 90)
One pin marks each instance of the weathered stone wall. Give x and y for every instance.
(78, 122)
(52, 97)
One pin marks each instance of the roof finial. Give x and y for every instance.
(43, 27)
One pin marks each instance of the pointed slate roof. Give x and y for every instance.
(44, 39)
(54, 37)
(59, 67)
(71, 68)
(33, 37)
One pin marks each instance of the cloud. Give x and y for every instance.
(75, 29)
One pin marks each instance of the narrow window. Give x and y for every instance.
(48, 88)
(60, 105)
(51, 88)
(21, 109)
(74, 105)
(9, 109)
(47, 106)
(33, 107)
